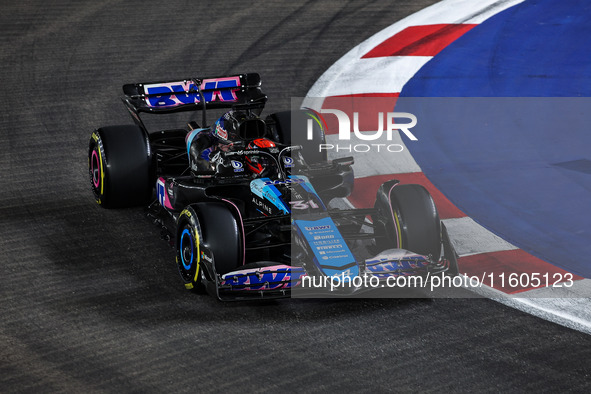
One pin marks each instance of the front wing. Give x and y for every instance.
(280, 281)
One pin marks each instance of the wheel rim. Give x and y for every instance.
(95, 169)
(186, 249)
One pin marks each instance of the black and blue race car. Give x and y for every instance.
(243, 234)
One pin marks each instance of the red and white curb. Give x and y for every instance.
(379, 68)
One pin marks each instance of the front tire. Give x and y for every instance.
(449, 253)
(188, 247)
(407, 218)
(214, 230)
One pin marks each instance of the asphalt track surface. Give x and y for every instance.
(91, 300)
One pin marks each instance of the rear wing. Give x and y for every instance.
(242, 90)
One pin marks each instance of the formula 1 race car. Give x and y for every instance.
(241, 233)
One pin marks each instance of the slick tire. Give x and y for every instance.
(188, 250)
(449, 253)
(215, 231)
(119, 167)
(407, 219)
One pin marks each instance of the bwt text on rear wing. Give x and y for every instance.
(195, 93)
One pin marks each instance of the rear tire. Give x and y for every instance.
(284, 126)
(119, 167)
(408, 219)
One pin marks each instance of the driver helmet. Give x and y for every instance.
(237, 125)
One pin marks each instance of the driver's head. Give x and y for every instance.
(237, 125)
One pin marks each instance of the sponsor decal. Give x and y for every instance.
(287, 162)
(161, 192)
(276, 277)
(337, 246)
(220, 132)
(340, 256)
(264, 189)
(206, 257)
(337, 256)
(172, 94)
(237, 166)
(260, 204)
(256, 187)
(312, 228)
(295, 195)
(317, 237)
(287, 182)
(186, 213)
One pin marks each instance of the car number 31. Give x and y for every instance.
(301, 204)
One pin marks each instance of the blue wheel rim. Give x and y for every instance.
(182, 249)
